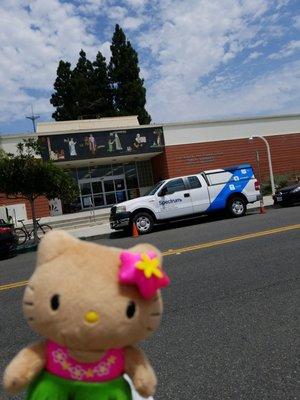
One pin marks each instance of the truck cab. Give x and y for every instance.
(176, 198)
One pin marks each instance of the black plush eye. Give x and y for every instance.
(54, 302)
(130, 311)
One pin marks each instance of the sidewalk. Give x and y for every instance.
(92, 232)
(98, 231)
(268, 201)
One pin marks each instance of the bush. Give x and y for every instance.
(280, 181)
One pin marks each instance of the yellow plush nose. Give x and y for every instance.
(91, 317)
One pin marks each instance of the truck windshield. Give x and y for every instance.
(153, 190)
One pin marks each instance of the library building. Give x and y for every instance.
(116, 159)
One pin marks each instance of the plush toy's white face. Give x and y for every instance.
(75, 299)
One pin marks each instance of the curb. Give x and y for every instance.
(108, 234)
(27, 249)
(95, 237)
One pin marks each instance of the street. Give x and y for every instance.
(230, 326)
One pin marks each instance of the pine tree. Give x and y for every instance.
(101, 101)
(63, 97)
(81, 84)
(128, 90)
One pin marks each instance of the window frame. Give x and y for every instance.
(189, 184)
(175, 191)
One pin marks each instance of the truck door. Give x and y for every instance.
(199, 193)
(174, 200)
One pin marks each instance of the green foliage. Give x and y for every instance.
(29, 177)
(63, 99)
(29, 147)
(2, 154)
(94, 90)
(83, 92)
(128, 88)
(101, 94)
(81, 84)
(280, 182)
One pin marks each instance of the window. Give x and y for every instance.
(194, 182)
(97, 187)
(177, 185)
(131, 176)
(218, 178)
(85, 188)
(154, 189)
(117, 169)
(100, 171)
(83, 173)
(144, 170)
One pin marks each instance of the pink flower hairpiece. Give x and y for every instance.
(142, 270)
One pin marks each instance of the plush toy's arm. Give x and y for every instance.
(26, 365)
(140, 371)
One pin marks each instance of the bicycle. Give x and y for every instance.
(24, 234)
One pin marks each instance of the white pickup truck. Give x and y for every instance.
(229, 189)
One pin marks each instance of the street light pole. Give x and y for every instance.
(269, 160)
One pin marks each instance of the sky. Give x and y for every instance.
(200, 59)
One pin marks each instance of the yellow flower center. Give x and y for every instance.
(150, 266)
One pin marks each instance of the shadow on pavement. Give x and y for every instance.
(203, 219)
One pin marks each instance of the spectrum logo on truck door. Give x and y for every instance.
(164, 202)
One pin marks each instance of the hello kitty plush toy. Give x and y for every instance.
(92, 304)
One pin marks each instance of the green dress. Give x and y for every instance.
(51, 387)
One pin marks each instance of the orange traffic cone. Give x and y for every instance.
(262, 208)
(135, 232)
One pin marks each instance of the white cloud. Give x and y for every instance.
(132, 23)
(116, 12)
(269, 93)
(31, 43)
(191, 42)
(192, 54)
(136, 3)
(288, 50)
(297, 22)
(254, 55)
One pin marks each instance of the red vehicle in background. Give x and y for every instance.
(8, 240)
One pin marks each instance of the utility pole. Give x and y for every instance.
(33, 118)
(269, 160)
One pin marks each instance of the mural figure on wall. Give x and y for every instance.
(139, 141)
(72, 147)
(118, 142)
(158, 141)
(111, 142)
(92, 144)
(101, 144)
(55, 155)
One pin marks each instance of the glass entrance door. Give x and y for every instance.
(114, 189)
(101, 192)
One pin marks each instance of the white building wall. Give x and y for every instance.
(86, 125)
(177, 133)
(9, 142)
(210, 131)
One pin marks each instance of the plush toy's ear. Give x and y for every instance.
(144, 248)
(53, 244)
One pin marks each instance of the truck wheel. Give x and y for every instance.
(237, 207)
(144, 222)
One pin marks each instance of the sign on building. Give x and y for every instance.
(78, 146)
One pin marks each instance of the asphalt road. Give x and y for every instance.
(230, 326)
